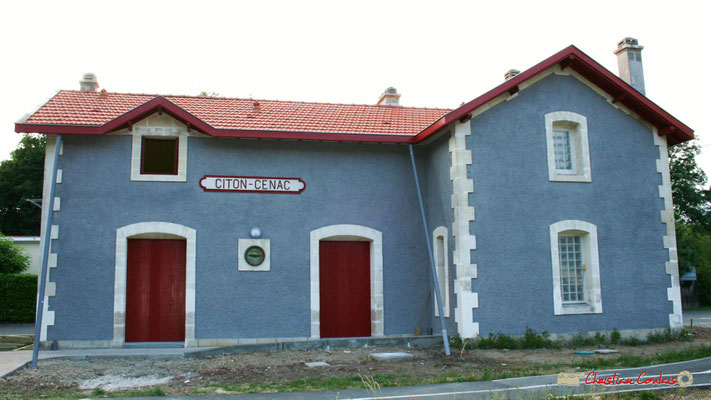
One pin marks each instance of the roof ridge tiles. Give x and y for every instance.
(168, 96)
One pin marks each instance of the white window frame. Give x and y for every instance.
(591, 279)
(443, 276)
(577, 125)
(157, 127)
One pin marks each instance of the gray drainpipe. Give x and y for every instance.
(438, 295)
(45, 257)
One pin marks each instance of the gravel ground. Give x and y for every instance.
(221, 373)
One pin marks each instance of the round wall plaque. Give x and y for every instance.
(254, 256)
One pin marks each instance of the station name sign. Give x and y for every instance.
(251, 184)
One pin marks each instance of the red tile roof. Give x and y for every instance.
(96, 109)
(83, 112)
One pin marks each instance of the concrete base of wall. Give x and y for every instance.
(300, 343)
(627, 333)
(256, 345)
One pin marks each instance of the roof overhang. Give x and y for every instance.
(574, 58)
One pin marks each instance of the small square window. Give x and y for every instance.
(159, 156)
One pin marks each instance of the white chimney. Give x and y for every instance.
(89, 82)
(629, 61)
(511, 73)
(390, 97)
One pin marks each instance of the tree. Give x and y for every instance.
(691, 200)
(20, 179)
(12, 259)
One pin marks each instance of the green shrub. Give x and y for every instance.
(615, 336)
(18, 297)
(534, 340)
(13, 259)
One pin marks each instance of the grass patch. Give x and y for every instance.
(534, 340)
(628, 361)
(375, 382)
(470, 374)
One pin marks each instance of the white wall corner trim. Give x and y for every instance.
(441, 257)
(356, 233)
(578, 126)
(145, 229)
(160, 126)
(591, 260)
(464, 241)
(669, 239)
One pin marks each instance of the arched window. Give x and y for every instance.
(576, 268)
(568, 150)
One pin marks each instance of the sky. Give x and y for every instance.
(436, 53)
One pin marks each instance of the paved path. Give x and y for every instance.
(514, 388)
(12, 360)
(701, 318)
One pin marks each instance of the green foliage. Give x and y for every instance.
(12, 259)
(18, 295)
(630, 361)
(533, 340)
(691, 201)
(21, 179)
(615, 336)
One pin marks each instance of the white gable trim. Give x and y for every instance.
(146, 230)
(355, 233)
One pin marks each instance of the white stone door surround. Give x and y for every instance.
(153, 230)
(349, 233)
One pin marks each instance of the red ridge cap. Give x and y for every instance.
(591, 70)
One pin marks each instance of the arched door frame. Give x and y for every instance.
(153, 230)
(351, 233)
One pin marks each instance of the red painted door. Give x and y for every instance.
(155, 290)
(345, 289)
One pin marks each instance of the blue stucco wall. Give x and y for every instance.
(516, 203)
(364, 184)
(437, 188)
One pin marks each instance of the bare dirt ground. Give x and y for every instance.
(260, 371)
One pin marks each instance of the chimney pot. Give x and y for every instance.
(629, 62)
(89, 82)
(390, 97)
(511, 73)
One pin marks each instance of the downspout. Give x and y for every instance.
(438, 295)
(45, 256)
